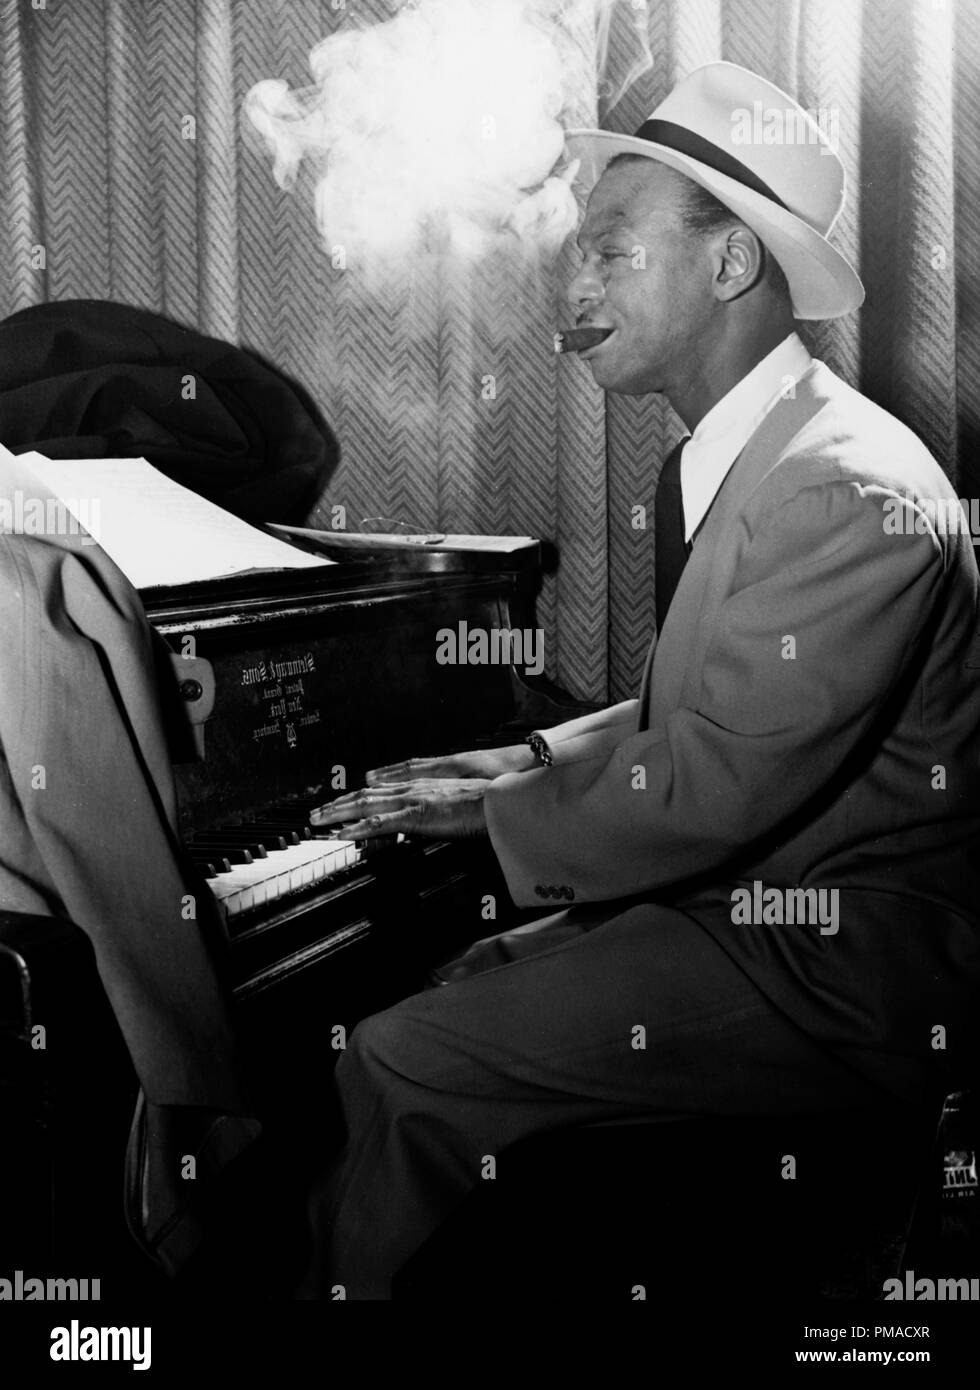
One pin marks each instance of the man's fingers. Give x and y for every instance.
(356, 805)
(407, 771)
(404, 820)
(379, 776)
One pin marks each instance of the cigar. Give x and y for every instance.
(578, 339)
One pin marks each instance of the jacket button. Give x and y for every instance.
(553, 890)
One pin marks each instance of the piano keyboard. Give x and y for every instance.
(282, 872)
(256, 863)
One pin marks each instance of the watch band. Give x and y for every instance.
(540, 750)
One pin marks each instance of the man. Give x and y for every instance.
(771, 852)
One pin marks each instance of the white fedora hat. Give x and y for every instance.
(762, 155)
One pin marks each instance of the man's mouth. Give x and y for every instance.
(581, 340)
(587, 352)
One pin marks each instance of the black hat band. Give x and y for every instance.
(687, 142)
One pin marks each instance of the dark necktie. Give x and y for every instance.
(670, 555)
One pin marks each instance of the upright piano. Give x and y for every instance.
(280, 689)
(291, 686)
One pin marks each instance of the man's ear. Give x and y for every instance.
(739, 261)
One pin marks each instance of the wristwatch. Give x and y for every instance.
(540, 750)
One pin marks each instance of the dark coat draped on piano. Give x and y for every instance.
(86, 378)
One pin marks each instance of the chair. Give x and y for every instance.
(66, 1098)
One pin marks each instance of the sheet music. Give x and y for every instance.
(158, 532)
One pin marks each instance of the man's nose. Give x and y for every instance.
(585, 288)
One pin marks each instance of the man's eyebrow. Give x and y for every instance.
(613, 222)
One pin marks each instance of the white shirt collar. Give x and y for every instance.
(723, 433)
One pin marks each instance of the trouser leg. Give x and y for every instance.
(643, 1015)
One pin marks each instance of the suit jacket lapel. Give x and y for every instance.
(679, 649)
(645, 682)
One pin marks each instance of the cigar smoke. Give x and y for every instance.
(445, 123)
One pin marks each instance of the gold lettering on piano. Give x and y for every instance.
(298, 666)
(254, 675)
(285, 711)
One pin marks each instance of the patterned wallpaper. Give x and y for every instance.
(94, 167)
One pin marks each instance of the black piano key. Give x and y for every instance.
(291, 832)
(270, 817)
(216, 863)
(271, 839)
(234, 834)
(299, 825)
(238, 839)
(236, 854)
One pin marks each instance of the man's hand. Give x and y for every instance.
(485, 762)
(442, 808)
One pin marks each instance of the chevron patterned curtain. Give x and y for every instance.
(440, 383)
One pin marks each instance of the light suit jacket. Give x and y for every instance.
(809, 717)
(88, 831)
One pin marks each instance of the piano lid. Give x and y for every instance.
(366, 573)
